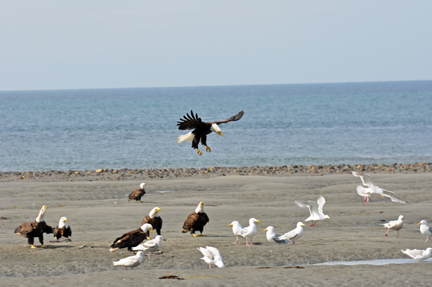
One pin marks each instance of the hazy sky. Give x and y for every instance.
(118, 44)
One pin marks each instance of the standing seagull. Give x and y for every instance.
(131, 261)
(211, 256)
(418, 255)
(295, 233)
(250, 231)
(236, 228)
(315, 209)
(426, 230)
(150, 246)
(201, 129)
(373, 188)
(274, 237)
(395, 225)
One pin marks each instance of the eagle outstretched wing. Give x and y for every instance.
(189, 122)
(233, 118)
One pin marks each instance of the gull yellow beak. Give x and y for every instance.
(220, 133)
(382, 195)
(303, 225)
(257, 220)
(265, 229)
(231, 224)
(419, 223)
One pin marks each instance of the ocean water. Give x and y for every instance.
(349, 123)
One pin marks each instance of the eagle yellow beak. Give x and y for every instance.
(220, 133)
(231, 224)
(158, 209)
(151, 230)
(265, 229)
(65, 219)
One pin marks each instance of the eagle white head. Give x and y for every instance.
(215, 128)
(63, 222)
(41, 216)
(154, 211)
(200, 208)
(142, 185)
(147, 227)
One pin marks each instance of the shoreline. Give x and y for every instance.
(133, 174)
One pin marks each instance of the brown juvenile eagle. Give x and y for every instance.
(201, 129)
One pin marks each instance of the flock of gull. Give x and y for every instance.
(139, 242)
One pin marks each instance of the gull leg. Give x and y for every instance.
(199, 152)
(293, 242)
(313, 224)
(399, 234)
(209, 266)
(387, 232)
(251, 244)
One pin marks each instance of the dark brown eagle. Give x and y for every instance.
(62, 229)
(35, 229)
(132, 238)
(201, 129)
(196, 221)
(154, 220)
(137, 194)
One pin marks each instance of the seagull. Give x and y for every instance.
(236, 228)
(418, 255)
(250, 231)
(373, 188)
(296, 233)
(425, 230)
(131, 261)
(211, 256)
(395, 225)
(150, 246)
(274, 237)
(315, 209)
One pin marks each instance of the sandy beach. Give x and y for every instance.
(98, 211)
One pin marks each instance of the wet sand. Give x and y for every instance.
(98, 212)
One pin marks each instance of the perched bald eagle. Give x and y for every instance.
(154, 220)
(62, 229)
(196, 221)
(132, 238)
(201, 129)
(137, 194)
(35, 229)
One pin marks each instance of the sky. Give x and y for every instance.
(81, 44)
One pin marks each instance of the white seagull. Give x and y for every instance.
(250, 231)
(131, 261)
(274, 237)
(296, 233)
(211, 256)
(425, 230)
(373, 188)
(236, 228)
(395, 225)
(315, 209)
(418, 255)
(150, 246)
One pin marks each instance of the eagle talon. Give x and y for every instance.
(202, 235)
(208, 148)
(199, 152)
(194, 235)
(33, 247)
(43, 246)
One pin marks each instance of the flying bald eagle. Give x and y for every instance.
(137, 194)
(201, 129)
(154, 219)
(62, 229)
(132, 238)
(35, 229)
(196, 221)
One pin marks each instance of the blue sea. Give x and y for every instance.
(347, 123)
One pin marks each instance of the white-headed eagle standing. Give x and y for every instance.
(201, 129)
